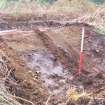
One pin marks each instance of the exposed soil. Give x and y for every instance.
(44, 62)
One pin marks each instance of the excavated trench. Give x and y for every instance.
(45, 67)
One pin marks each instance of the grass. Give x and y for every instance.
(99, 2)
(100, 30)
(64, 8)
(74, 5)
(60, 5)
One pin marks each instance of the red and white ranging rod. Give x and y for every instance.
(81, 52)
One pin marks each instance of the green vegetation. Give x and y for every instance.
(46, 1)
(98, 1)
(3, 4)
(6, 3)
(100, 30)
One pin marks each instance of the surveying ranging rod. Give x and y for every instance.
(81, 52)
